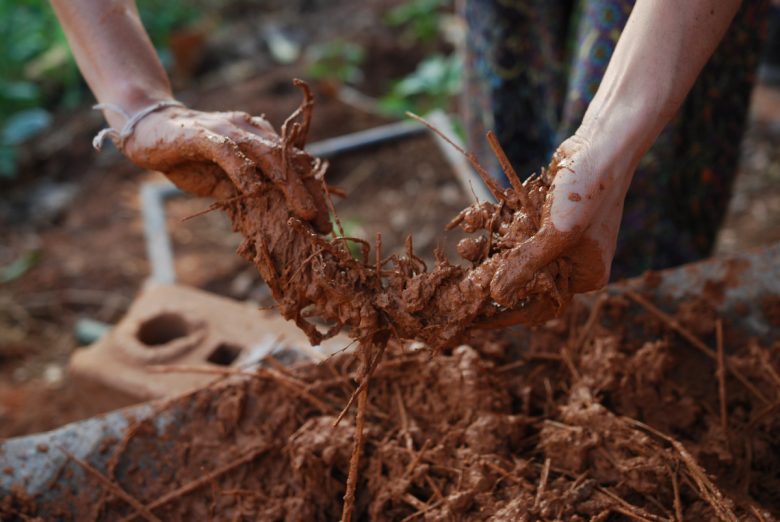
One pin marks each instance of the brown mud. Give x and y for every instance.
(578, 421)
(378, 298)
(604, 414)
(375, 299)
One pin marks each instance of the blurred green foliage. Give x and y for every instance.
(19, 266)
(38, 74)
(437, 77)
(338, 60)
(419, 19)
(431, 86)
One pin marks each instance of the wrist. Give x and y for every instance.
(120, 136)
(620, 132)
(131, 98)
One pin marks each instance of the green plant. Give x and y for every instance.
(431, 86)
(352, 228)
(29, 30)
(19, 266)
(419, 18)
(38, 74)
(438, 77)
(338, 60)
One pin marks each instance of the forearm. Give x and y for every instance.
(661, 51)
(114, 53)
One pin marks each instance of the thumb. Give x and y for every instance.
(286, 177)
(524, 261)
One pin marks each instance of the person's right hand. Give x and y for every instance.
(580, 221)
(212, 153)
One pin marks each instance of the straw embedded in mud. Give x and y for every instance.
(378, 300)
(618, 428)
(315, 277)
(584, 420)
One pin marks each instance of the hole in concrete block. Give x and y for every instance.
(162, 329)
(224, 354)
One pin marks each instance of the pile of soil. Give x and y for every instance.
(595, 415)
(609, 413)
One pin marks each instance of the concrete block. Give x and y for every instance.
(176, 325)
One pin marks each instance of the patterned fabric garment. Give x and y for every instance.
(532, 68)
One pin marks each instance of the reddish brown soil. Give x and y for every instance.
(35, 407)
(492, 424)
(602, 415)
(281, 208)
(583, 419)
(279, 201)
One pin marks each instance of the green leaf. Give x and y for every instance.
(411, 11)
(25, 124)
(7, 161)
(352, 228)
(338, 60)
(429, 87)
(18, 267)
(421, 17)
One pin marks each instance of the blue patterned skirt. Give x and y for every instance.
(532, 68)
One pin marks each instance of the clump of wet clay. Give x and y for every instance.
(375, 298)
(608, 413)
(584, 420)
(378, 299)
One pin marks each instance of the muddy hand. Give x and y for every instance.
(212, 153)
(580, 222)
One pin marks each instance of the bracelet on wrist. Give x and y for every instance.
(120, 137)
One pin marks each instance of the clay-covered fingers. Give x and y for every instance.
(225, 153)
(257, 142)
(220, 154)
(592, 256)
(196, 158)
(303, 194)
(525, 260)
(202, 179)
(283, 172)
(254, 124)
(239, 152)
(590, 265)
